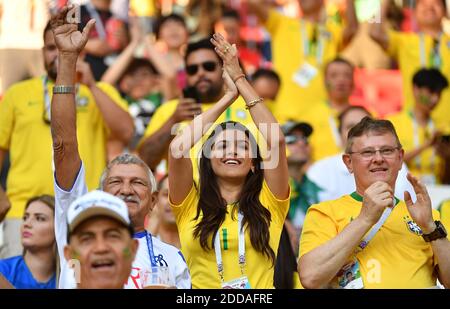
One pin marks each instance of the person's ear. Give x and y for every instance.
(401, 154)
(153, 200)
(348, 162)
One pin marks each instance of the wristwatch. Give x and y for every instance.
(438, 233)
(62, 89)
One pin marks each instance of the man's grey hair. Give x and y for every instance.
(129, 159)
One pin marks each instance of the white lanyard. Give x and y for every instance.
(430, 129)
(334, 129)
(306, 43)
(241, 244)
(371, 234)
(98, 21)
(423, 60)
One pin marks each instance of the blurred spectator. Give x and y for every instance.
(21, 26)
(331, 174)
(25, 133)
(304, 192)
(426, 49)
(204, 70)
(172, 33)
(419, 134)
(109, 36)
(144, 83)
(339, 83)
(266, 83)
(229, 25)
(36, 267)
(167, 226)
(300, 49)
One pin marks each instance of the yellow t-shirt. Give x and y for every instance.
(405, 48)
(202, 264)
(325, 139)
(445, 216)
(27, 137)
(427, 163)
(288, 57)
(404, 259)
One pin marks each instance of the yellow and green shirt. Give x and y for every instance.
(202, 264)
(289, 56)
(403, 258)
(27, 136)
(405, 48)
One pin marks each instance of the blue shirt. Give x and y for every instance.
(16, 271)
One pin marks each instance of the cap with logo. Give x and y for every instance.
(97, 203)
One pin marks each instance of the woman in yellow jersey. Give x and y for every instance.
(230, 223)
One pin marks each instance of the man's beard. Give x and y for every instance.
(211, 95)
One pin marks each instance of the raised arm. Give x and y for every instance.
(180, 166)
(69, 42)
(351, 27)
(378, 31)
(275, 166)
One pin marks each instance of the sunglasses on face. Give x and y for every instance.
(209, 66)
(292, 139)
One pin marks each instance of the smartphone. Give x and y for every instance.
(190, 93)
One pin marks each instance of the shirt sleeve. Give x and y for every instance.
(318, 228)
(6, 119)
(278, 208)
(63, 199)
(183, 211)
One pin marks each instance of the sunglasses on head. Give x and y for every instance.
(209, 66)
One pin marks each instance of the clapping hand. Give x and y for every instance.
(229, 55)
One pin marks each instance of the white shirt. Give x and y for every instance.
(165, 255)
(333, 177)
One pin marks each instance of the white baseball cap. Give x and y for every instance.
(97, 203)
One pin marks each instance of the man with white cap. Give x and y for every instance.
(100, 241)
(126, 177)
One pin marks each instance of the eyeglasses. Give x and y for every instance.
(292, 139)
(209, 66)
(387, 152)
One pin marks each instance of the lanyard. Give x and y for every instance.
(241, 244)
(430, 129)
(148, 238)
(47, 103)
(306, 44)
(371, 234)
(334, 129)
(98, 21)
(228, 114)
(435, 58)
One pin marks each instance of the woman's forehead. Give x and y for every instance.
(231, 135)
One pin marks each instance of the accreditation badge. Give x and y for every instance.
(237, 284)
(305, 74)
(349, 277)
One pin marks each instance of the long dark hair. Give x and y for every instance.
(257, 218)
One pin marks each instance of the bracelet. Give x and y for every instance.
(253, 103)
(239, 77)
(61, 89)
